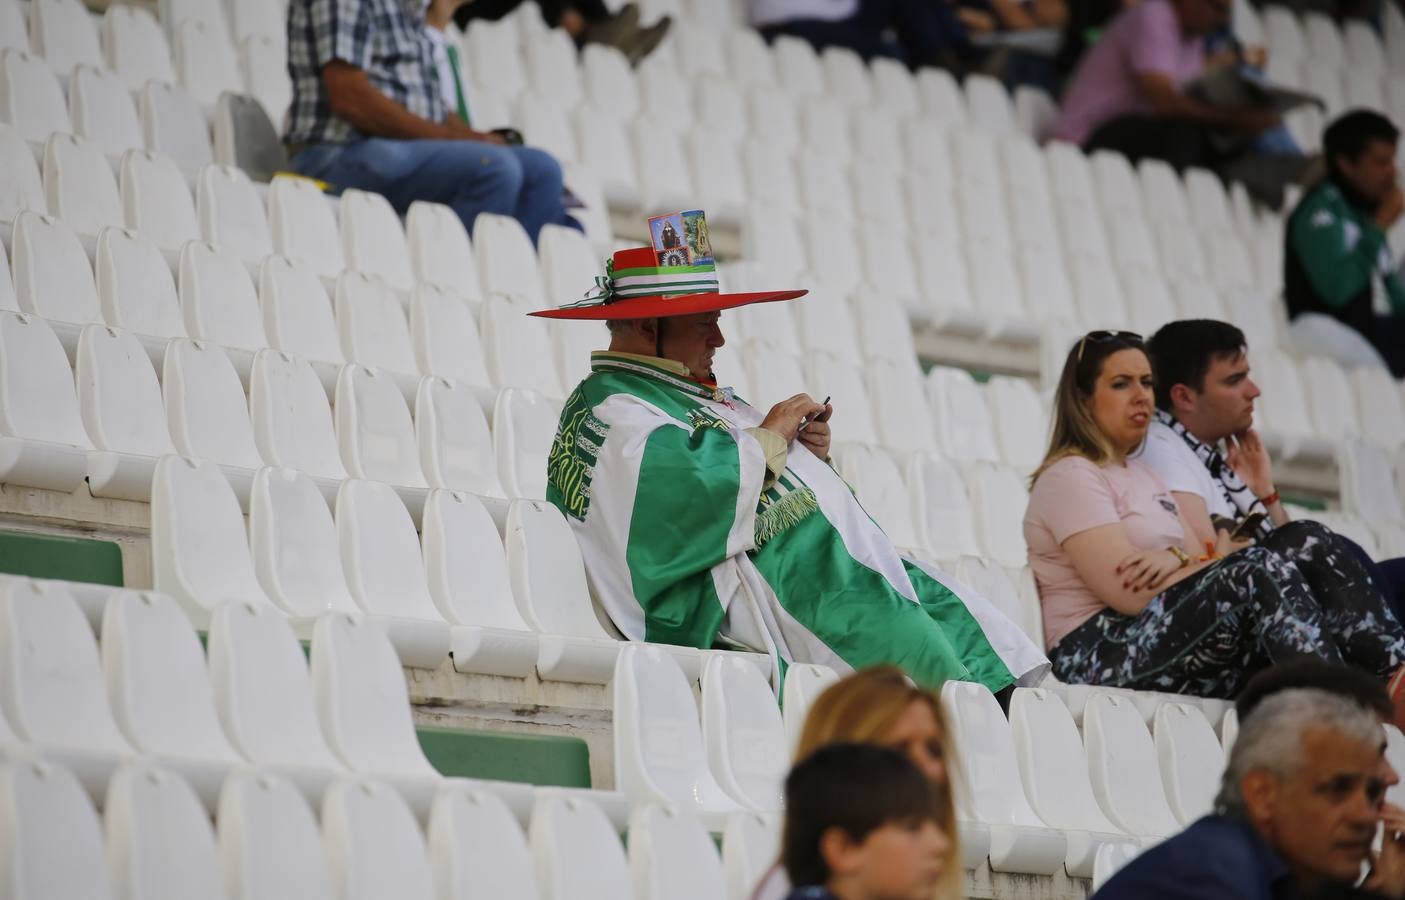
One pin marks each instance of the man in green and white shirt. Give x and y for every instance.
(1337, 262)
(705, 522)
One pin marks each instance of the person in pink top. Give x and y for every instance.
(1127, 92)
(1131, 599)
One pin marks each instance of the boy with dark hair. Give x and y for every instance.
(1337, 263)
(861, 824)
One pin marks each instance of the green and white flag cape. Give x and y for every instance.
(663, 486)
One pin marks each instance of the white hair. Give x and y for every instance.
(1271, 738)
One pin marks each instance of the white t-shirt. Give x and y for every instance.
(774, 12)
(1182, 471)
(448, 88)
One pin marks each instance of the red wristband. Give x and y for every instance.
(1270, 499)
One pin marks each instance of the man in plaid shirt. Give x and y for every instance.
(368, 113)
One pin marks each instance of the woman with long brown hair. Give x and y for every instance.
(1130, 598)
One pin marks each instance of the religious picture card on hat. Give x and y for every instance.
(696, 238)
(666, 232)
(674, 256)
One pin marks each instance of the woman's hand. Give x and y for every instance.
(1147, 569)
(1225, 545)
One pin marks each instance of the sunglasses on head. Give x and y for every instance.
(1099, 337)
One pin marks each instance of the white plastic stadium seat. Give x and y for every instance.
(207, 411)
(374, 430)
(1021, 422)
(54, 841)
(14, 35)
(20, 184)
(989, 789)
(264, 65)
(52, 276)
(218, 299)
(524, 426)
(51, 688)
(62, 32)
(652, 698)
(103, 111)
(440, 252)
(373, 844)
(1380, 406)
(671, 856)
(1191, 759)
(303, 226)
(744, 733)
(42, 442)
(1122, 767)
(364, 708)
(120, 401)
(445, 335)
(263, 695)
(964, 422)
(576, 852)
(903, 417)
(373, 240)
(878, 484)
(751, 844)
(468, 578)
(31, 99)
(456, 448)
(297, 315)
(292, 419)
(199, 551)
(174, 125)
(988, 105)
(943, 509)
(380, 556)
(79, 185)
(477, 847)
(160, 690)
(156, 199)
(804, 682)
(998, 498)
(507, 261)
(232, 213)
(1366, 481)
(205, 62)
(269, 842)
(294, 545)
(1054, 770)
(136, 47)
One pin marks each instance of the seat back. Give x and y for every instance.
(1366, 480)
(987, 788)
(1122, 767)
(51, 685)
(446, 336)
(751, 846)
(515, 347)
(1380, 405)
(31, 98)
(294, 544)
(52, 276)
(380, 553)
(297, 316)
(1191, 759)
(477, 848)
(263, 62)
(466, 564)
(374, 430)
(269, 842)
(804, 682)
(998, 499)
(174, 125)
(903, 418)
(232, 213)
(547, 574)
(440, 252)
(362, 702)
(958, 405)
(218, 299)
(156, 199)
(372, 324)
(303, 227)
(291, 417)
(156, 679)
(507, 262)
(205, 62)
(205, 405)
(1021, 421)
(826, 325)
(744, 734)
(575, 851)
(263, 692)
(879, 487)
(671, 855)
(102, 110)
(373, 240)
(988, 104)
(456, 449)
(20, 185)
(1330, 395)
(53, 841)
(524, 427)
(135, 288)
(37, 398)
(1053, 766)
(946, 522)
(373, 843)
(136, 47)
(118, 395)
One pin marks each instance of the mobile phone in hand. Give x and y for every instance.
(1248, 527)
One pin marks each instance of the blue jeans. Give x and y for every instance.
(472, 177)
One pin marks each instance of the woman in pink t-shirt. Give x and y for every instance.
(1129, 599)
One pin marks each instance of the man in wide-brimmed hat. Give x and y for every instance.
(705, 522)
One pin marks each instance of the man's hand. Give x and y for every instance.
(1391, 208)
(816, 435)
(786, 417)
(1388, 867)
(1249, 459)
(1225, 544)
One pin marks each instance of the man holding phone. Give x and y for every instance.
(1203, 445)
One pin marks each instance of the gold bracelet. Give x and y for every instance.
(1181, 555)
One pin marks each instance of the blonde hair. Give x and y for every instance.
(1075, 432)
(863, 708)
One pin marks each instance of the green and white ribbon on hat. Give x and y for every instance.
(648, 282)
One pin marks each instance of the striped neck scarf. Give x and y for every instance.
(1234, 488)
